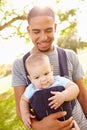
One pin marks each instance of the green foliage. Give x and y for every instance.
(5, 69)
(83, 44)
(85, 79)
(8, 117)
(69, 29)
(69, 41)
(65, 16)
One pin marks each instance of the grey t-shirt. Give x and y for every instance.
(74, 67)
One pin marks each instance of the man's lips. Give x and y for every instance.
(44, 44)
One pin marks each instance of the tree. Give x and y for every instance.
(14, 19)
(67, 35)
(69, 42)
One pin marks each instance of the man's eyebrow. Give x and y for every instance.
(35, 29)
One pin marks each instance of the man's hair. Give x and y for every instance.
(40, 11)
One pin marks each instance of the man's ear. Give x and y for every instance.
(55, 27)
(28, 29)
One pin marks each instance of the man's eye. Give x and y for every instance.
(49, 30)
(36, 32)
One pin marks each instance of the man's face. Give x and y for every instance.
(41, 30)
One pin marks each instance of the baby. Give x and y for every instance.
(47, 93)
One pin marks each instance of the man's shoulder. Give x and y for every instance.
(18, 64)
(70, 53)
(66, 50)
(18, 60)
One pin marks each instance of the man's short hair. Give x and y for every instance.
(40, 11)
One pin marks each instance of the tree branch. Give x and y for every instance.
(11, 21)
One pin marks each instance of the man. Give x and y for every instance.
(41, 29)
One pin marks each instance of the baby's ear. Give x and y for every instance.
(29, 77)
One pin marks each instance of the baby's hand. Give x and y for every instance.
(27, 120)
(56, 100)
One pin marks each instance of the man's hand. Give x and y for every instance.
(51, 122)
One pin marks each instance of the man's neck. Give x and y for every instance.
(35, 50)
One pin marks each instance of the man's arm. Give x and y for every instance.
(82, 97)
(18, 92)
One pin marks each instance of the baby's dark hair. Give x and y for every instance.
(39, 11)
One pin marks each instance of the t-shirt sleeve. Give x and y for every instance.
(77, 70)
(62, 80)
(29, 91)
(18, 73)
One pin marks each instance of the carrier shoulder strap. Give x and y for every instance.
(62, 63)
(64, 67)
(24, 59)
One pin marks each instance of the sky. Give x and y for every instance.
(29, 3)
(82, 21)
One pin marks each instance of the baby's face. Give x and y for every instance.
(42, 75)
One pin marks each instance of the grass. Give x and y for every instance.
(85, 80)
(8, 117)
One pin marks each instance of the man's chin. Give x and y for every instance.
(44, 50)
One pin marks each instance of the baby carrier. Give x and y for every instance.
(39, 101)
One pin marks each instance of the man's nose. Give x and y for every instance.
(43, 36)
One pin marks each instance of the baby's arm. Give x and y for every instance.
(25, 113)
(58, 98)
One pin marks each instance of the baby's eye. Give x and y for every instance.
(46, 73)
(36, 77)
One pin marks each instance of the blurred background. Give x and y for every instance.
(71, 18)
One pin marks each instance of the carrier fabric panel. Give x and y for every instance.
(39, 102)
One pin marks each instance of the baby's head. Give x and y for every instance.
(35, 60)
(39, 69)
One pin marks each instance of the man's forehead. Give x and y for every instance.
(41, 19)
